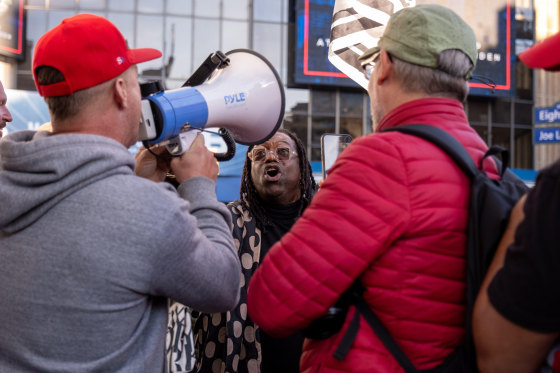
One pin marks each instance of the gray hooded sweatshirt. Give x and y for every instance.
(91, 253)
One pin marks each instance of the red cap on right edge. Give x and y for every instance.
(543, 55)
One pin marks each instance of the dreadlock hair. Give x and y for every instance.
(250, 197)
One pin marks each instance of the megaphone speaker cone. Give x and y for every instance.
(246, 97)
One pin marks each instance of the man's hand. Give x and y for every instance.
(151, 167)
(197, 161)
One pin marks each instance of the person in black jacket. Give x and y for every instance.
(517, 314)
(277, 184)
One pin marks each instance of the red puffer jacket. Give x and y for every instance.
(392, 212)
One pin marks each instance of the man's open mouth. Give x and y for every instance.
(272, 172)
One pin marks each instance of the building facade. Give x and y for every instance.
(187, 31)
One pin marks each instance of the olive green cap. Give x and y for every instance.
(419, 34)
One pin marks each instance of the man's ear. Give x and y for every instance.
(120, 93)
(385, 66)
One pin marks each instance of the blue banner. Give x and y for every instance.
(547, 114)
(547, 135)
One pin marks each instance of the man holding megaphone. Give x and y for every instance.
(91, 253)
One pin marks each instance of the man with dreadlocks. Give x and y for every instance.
(276, 186)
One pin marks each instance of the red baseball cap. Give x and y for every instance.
(88, 50)
(543, 55)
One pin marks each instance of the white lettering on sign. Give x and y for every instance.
(5, 35)
(323, 42)
(491, 57)
(549, 116)
(546, 136)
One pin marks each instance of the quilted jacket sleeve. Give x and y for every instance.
(361, 208)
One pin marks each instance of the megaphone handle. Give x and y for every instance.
(230, 143)
(180, 144)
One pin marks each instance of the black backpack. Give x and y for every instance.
(490, 204)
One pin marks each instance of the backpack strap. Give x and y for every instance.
(462, 158)
(349, 337)
(355, 296)
(384, 335)
(501, 166)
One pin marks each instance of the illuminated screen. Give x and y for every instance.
(496, 46)
(312, 37)
(12, 27)
(495, 37)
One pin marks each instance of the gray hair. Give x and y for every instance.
(448, 80)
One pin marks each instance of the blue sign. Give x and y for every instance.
(547, 114)
(547, 135)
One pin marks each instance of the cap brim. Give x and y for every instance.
(143, 54)
(368, 55)
(544, 55)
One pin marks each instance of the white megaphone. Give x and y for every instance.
(239, 91)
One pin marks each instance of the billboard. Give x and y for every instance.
(310, 46)
(495, 68)
(12, 28)
(493, 76)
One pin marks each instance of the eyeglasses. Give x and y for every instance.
(282, 153)
(368, 67)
